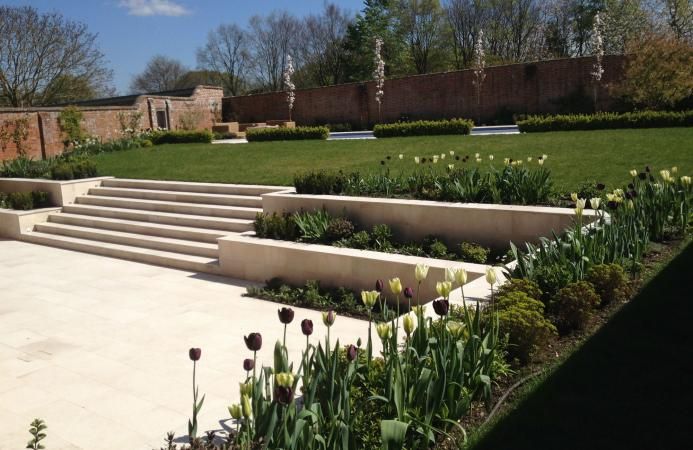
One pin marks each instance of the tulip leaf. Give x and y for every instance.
(393, 434)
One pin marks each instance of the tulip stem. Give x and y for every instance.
(284, 336)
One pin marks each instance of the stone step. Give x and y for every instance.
(131, 239)
(158, 257)
(178, 196)
(134, 226)
(233, 212)
(154, 217)
(182, 186)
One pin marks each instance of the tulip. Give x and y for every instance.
(419, 310)
(401, 156)
(421, 272)
(328, 318)
(395, 286)
(307, 327)
(379, 285)
(442, 156)
(417, 160)
(642, 176)
(633, 173)
(476, 155)
(478, 160)
(351, 353)
(541, 162)
(544, 156)
(581, 203)
(245, 403)
(665, 174)
(443, 288)
(441, 307)
(451, 167)
(529, 159)
(235, 411)
(246, 388)
(461, 276)
(452, 152)
(369, 298)
(408, 292)
(594, 202)
(630, 204)
(674, 169)
(283, 395)
(286, 315)
(578, 211)
(248, 364)
(195, 354)
(600, 186)
(490, 157)
(284, 379)
(506, 161)
(253, 341)
(574, 197)
(686, 180)
(449, 274)
(490, 276)
(384, 330)
(409, 323)
(455, 328)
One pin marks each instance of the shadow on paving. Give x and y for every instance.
(629, 387)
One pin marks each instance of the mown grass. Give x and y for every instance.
(627, 387)
(574, 157)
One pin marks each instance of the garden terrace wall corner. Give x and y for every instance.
(60, 192)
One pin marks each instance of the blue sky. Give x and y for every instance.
(132, 31)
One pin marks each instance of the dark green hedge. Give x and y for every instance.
(605, 121)
(423, 128)
(24, 201)
(286, 134)
(181, 137)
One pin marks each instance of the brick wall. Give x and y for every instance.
(530, 88)
(46, 138)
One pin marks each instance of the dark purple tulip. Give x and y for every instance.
(283, 395)
(307, 327)
(195, 354)
(633, 193)
(631, 186)
(248, 364)
(382, 163)
(286, 315)
(441, 307)
(408, 292)
(388, 157)
(651, 179)
(511, 160)
(379, 285)
(601, 186)
(647, 169)
(352, 353)
(457, 157)
(642, 176)
(612, 205)
(253, 341)
(628, 195)
(423, 160)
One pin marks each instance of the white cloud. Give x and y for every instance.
(153, 8)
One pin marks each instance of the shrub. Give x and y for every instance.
(382, 237)
(522, 319)
(474, 253)
(551, 278)
(319, 182)
(423, 128)
(276, 226)
(181, 137)
(41, 199)
(22, 201)
(70, 121)
(84, 168)
(286, 134)
(437, 249)
(604, 121)
(339, 228)
(313, 225)
(339, 127)
(146, 143)
(360, 240)
(62, 171)
(520, 285)
(609, 281)
(572, 306)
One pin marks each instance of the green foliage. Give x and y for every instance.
(474, 253)
(17, 131)
(276, 226)
(24, 201)
(146, 143)
(360, 240)
(551, 278)
(37, 431)
(604, 121)
(78, 167)
(382, 237)
(571, 308)
(286, 134)
(319, 182)
(520, 285)
(339, 228)
(313, 225)
(62, 171)
(339, 127)
(181, 137)
(609, 281)
(70, 121)
(436, 248)
(521, 318)
(23, 167)
(423, 128)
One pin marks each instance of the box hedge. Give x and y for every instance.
(423, 128)
(181, 137)
(605, 121)
(286, 134)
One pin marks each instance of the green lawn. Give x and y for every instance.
(630, 386)
(604, 156)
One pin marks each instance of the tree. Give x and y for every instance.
(273, 38)
(226, 53)
(323, 46)
(160, 74)
(289, 85)
(379, 75)
(679, 17)
(194, 78)
(479, 70)
(624, 22)
(45, 58)
(465, 20)
(420, 22)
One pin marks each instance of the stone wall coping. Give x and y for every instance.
(29, 212)
(58, 182)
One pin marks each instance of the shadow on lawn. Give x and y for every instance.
(629, 387)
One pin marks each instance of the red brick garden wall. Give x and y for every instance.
(530, 88)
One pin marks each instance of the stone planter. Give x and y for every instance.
(60, 192)
(13, 222)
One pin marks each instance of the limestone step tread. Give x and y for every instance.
(238, 212)
(150, 256)
(179, 196)
(131, 239)
(158, 217)
(148, 228)
(185, 186)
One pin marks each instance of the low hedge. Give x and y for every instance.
(605, 121)
(181, 137)
(423, 128)
(24, 201)
(286, 134)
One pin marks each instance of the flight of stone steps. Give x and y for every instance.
(173, 224)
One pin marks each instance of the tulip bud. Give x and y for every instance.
(384, 330)
(449, 274)
(328, 318)
(286, 315)
(307, 327)
(540, 162)
(408, 292)
(417, 160)
(245, 388)
(195, 354)
(409, 323)
(379, 285)
(594, 202)
(395, 286)
(529, 159)
(633, 173)
(455, 329)
(245, 403)
(351, 353)
(419, 310)
(490, 276)
(369, 298)
(686, 180)
(581, 203)
(441, 307)
(476, 155)
(248, 364)
(235, 411)
(574, 197)
(674, 169)
(544, 156)
(461, 276)
(452, 152)
(490, 157)
(421, 272)
(253, 341)
(443, 288)
(401, 156)
(284, 379)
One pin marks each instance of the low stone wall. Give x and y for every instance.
(13, 223)
(250, 258)
(486, 224)
(60, 192)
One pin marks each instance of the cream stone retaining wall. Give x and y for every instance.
(250, 258)
(12, 222)
(60, 192)
(487, 224)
